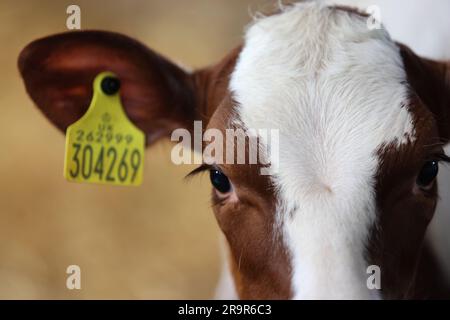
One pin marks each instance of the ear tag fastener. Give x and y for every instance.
(104, 146)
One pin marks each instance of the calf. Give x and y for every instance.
(362, 123)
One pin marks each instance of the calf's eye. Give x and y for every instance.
(220, 181)
(428, 174)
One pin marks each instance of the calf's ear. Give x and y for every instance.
(430, 79)
(59, 71)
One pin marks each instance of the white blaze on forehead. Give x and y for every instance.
(335, 90)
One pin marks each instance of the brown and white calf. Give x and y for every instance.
(362, 123)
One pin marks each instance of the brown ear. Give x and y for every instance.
(431, 81)
(59, 70)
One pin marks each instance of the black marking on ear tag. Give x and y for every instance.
(110, 85)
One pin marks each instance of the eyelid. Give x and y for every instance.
(204, 167)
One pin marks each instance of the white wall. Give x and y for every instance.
(424, 25)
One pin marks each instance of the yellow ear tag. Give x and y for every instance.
(104, 146)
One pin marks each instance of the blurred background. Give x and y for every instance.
(158, 241)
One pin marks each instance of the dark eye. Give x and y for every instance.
(428, 174)
(220, 181)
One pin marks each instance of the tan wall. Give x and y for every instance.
(156, 241)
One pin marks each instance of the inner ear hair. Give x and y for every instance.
(430, 79)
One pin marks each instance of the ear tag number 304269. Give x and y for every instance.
(104, 146)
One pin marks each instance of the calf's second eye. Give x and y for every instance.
(428, 174)
(220, 181)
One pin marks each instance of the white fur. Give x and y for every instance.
(334, 90)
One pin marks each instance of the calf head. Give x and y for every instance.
(361, 119)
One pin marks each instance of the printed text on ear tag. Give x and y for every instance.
(104, 146)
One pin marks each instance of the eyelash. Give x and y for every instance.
(203, 168)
